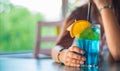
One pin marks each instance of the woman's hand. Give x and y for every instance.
(70, 57)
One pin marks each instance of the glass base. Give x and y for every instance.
(89, 66)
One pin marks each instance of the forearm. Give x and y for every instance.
(112, 33)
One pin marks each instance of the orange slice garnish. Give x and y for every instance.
(77, 27)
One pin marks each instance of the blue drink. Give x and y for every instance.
(91, 48)
(89, 42)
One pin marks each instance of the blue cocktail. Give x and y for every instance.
(89, 41)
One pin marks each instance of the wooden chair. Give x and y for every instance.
(40, 39)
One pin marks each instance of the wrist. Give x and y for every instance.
(60, 55)
(105, 7)
(100, 3)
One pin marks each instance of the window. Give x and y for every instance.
(72, 4)
(18, 19)
(50, 9)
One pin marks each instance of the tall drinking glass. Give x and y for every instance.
(89, 41)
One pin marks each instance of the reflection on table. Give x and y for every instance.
(14, 64)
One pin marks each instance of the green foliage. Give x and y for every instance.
(17, 28)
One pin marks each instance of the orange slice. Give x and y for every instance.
(77, 27)
(69, 29)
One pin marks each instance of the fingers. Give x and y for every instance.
(73, 55)
(73, 62)
(76, 49)
(73, 59)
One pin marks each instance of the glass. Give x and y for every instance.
(89, 69)
(89, 41)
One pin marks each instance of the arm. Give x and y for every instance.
(111, 28)
(64, 41)
(112, 32)
(67, 56)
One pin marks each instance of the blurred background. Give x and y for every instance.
(19, 18)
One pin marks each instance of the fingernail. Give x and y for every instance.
(82, 52)
(83, 58)
(81, 62)
(78, 65)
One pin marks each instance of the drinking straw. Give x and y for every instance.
(89, 11)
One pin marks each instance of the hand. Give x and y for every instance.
(70, 58)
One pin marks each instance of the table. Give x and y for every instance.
(17, 64)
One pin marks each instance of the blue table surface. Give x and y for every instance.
(17, 64)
